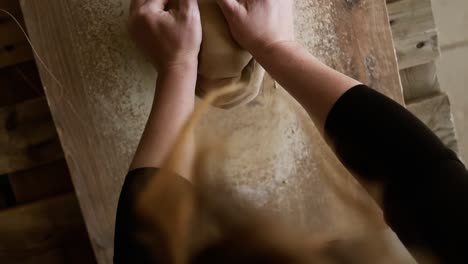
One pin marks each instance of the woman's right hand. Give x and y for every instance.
(258, 24)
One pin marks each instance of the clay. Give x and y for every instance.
(223, 62)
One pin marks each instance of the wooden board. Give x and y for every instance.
(50, 231)
(41, 182)
(435, 112)
(420, 81)
(414, 32)
(108, 87)
(28, 136)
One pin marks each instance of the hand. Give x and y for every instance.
(169, 37)
(258, 24)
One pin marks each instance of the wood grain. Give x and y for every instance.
(28, 136)
(106, 96)
(49, 231)
(414, 31)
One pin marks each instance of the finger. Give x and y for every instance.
(136, 3)
(187, 5)
(228, 7)
(156, 5)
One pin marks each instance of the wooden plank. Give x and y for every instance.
(108, 88)
(41, 182)
(28, 136)
(435, 112)
(50, 231)
(414, 32)
(19, 83)
(419, 81)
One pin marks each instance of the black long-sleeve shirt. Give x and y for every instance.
(425, 184)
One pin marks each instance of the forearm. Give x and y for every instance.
(173, 103)
(314, 85)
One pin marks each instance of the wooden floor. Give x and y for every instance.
(40, 220)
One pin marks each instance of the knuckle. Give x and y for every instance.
(185, 18)
(186, 14)
(142, 14)
(141, 17)
(142, 11)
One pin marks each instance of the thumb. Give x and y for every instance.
(229, 7)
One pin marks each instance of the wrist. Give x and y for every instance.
(270, 49)
(185, 67)
(178, 79)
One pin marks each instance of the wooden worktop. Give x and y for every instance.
(106, 88)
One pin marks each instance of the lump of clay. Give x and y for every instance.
(222, 62)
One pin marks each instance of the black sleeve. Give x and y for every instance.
(127, 247)
(425, 184)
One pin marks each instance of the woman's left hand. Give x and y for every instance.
(169, 37)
